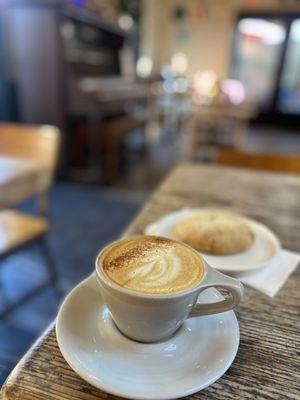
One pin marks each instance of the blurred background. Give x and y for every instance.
(99, 99)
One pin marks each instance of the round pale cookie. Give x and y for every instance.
(215, 232)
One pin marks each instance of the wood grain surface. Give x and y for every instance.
(267, 363)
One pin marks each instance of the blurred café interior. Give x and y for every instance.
(100, 99)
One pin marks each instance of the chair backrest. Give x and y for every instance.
(36, 142)
(269, 162)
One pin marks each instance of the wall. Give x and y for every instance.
(151, 18)
(204, 35)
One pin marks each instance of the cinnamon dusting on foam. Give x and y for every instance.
(152, 264)
(128, 254)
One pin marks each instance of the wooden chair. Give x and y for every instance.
(208, 129)
(18, 230)
(34, 142)
(269, 162)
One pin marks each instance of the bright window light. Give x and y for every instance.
(269, 32)
(295, 31)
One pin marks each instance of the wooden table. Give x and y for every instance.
(267, 363)
(20, 179)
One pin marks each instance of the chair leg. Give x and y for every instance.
(50, 266)
(1, 286)
(43, 204)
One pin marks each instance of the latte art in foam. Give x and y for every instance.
(153, 265)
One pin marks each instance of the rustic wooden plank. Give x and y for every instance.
(267, 363)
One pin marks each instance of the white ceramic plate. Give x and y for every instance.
(263, 251)
(195, 357)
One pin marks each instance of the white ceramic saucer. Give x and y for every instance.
(195, 357)
(262, 252)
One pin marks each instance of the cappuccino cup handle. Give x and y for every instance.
(219, 281)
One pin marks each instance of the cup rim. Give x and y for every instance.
(151, 296)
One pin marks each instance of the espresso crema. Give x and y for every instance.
(152, 265)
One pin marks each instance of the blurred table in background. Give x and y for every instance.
(266, 365)
(113, 108)
(20, 179)
(28, 156)
(202, 125)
